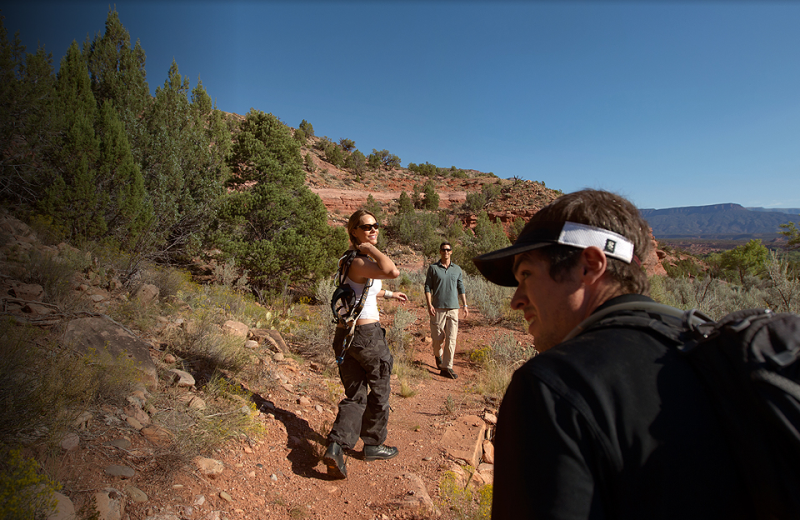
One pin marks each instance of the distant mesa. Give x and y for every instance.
(720, 221)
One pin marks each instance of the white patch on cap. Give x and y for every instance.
(583, 236)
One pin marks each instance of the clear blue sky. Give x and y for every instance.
(668, 103)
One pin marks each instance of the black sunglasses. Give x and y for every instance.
(446, 250)
(367, 227)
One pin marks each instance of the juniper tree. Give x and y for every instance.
(95, 188)
(184, 172)
(792, 231)
(28, 132)
(431, 201)
(307, 128)
(404, 203)
(271, 222)
(487, 236)
(118, 75)
(356, 162)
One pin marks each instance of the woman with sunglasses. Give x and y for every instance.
(367, 363)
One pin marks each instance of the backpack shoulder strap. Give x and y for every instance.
(692, 320)
(345, 261)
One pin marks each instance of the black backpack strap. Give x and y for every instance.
(629, 315)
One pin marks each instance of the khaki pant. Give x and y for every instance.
(444, 330)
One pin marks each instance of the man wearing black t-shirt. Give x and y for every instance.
(603, 423)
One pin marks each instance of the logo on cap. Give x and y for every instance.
(610, 245)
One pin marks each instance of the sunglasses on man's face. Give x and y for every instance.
(446, 250)
(367, 227)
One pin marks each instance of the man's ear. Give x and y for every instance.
(593, 264)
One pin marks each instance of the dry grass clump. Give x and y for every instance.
(498, 361)
(313, 330)
(54, 272)
(44, 387)
(229, 413)
(715, 297)
(410, 282)
(463, 501)
(493, 301)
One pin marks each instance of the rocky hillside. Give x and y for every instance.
(342, 193)
(128, 454)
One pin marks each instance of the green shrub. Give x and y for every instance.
(348, 145)
(417, 230)
(25, 493)
(356, 162)
(682, 268)
(717, 298)
(404, 204)
(487, 236)
(383, 158)
(308, 163)
(475, 202)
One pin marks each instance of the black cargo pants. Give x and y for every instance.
(365, 374)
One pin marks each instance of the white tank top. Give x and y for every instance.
(370, 310)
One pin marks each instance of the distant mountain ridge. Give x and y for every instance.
(717, 221)
(791, 211)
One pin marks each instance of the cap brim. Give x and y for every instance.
(498, 266)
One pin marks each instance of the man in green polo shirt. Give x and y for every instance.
(444, 287)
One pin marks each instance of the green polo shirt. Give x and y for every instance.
(444, 284)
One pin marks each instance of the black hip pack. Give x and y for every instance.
(749, 363)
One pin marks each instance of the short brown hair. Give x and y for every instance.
(604, 210)
(354, 221)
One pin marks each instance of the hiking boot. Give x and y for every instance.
(334, 459)
(381, 452)
(438, 362)
(448, 372)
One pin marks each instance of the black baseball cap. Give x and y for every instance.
(498, 266)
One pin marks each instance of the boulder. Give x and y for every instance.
(110, 504)
(463, 440)
(146, 293)
(237, 328)
(65, 509)
(28, 291)
(111, 345)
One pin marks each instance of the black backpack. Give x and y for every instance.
(346, 308)
(749, 362)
